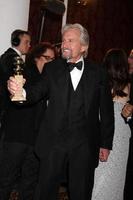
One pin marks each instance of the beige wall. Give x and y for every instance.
(14, 14)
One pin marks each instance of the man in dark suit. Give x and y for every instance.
(79, 119)
(18, 163)
(128, 113)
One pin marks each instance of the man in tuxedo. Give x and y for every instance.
(127, 112)
(78, 125)
(18, 164)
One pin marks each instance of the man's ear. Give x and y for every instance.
(84, 48)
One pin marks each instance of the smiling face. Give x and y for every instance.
(71, 47)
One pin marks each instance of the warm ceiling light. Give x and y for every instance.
(83, 2)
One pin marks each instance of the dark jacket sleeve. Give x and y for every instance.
(131, 102)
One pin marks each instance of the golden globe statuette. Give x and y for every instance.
(18, 96)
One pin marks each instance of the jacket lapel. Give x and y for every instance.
(88, 86)
(64, 83)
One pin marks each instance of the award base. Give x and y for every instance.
(18, 96)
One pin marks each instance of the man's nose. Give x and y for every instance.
(65, 44)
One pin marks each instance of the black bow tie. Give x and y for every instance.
(77, 65)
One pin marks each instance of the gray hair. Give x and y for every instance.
(84, 36)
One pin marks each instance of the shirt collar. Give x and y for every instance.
(81, 59)
(17, 51)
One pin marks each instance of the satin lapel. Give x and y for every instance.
(63, 84)
(88, 86)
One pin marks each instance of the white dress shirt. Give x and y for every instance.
(19, 53)
(76, 74)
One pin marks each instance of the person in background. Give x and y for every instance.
(20, 44)
(36, 59)
(110, 176)
(18, 163)
(71, 131)
(130, 62)
(40, 54)
(127, 112)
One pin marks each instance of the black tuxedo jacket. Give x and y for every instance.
(19, 120)
(97, 100)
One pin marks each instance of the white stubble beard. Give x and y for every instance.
(68, 53)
